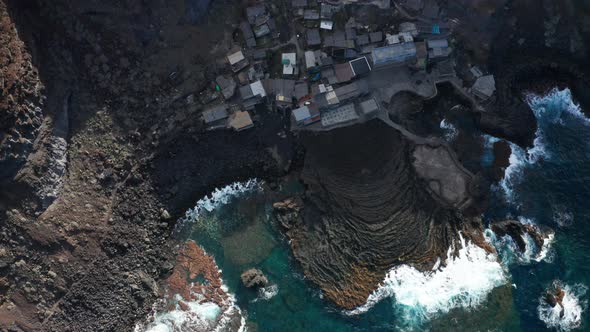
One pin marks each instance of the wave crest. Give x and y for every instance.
(464, 282)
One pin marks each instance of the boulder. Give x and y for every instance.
(254, 278)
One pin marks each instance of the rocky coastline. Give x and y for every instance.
(96, 142)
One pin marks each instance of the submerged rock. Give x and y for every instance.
(253, 278)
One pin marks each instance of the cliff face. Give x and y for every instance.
(366, 211)
(21, 99)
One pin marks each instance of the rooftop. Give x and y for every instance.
(360, 66)
(240, 120)
(289, 63)
(216, 113)
(313, 37)
(235, 57)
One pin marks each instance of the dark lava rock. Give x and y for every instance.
(516, 230)
(366, 211)
(554, 296)
(254, 278)
(502, 152)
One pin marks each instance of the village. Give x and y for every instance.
(335, 71)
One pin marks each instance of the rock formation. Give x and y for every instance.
(196, 280)
(253, 278)
(517, 230)
(554, 297)
(367, 209)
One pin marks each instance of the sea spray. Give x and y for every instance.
(267, 293)
(450, 132)
(464, 282)
(195, 316)
(221, 196)
(567, 315)
(549, 110)
(508, 250)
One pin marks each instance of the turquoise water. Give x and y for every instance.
(549, 186)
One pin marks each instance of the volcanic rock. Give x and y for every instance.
(516, 230)
(367, 210)
(253, 278)
(554, 296)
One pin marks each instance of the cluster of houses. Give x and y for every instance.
(323, 80)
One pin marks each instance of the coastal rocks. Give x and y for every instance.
(366, 211)
(554, 296)
(196, 298)
(517, 231)
(287, 211)
(253, 278)
(502, 152)
(561, 306)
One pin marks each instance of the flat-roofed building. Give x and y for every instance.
(227, 86)
(248, 34)
(240, 120)
(360, 66)
(344, 72)
(305, 115)
(311, 15)
(369, 107)
(215, 115)
(237, 61)
(392, 54)
(340, 115)
(438, 48)
(313, 37)
(289, 63)
(311, 59)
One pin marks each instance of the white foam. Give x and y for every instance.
(450, 131)
(267, 293)
(568, 316)
(205, 316)
(508, 250)
(464, 282)
(562, 216)
(548, 110)
(221, 196)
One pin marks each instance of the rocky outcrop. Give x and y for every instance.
(253, 278)
(21, 100)
(195, 280)
(517, 230)
(554, 297)
(366, 210)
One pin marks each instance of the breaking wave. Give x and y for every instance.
(267, 293)
(508, 250)
(464, 282)
(548, 110)
(221, 196)
(450, 132)
(568, 315)
(195, 316)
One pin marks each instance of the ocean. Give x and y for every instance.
(548, 185)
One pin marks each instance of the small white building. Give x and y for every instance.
(289, 63)
(311, 60)
(236, 57)
(326, 25)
